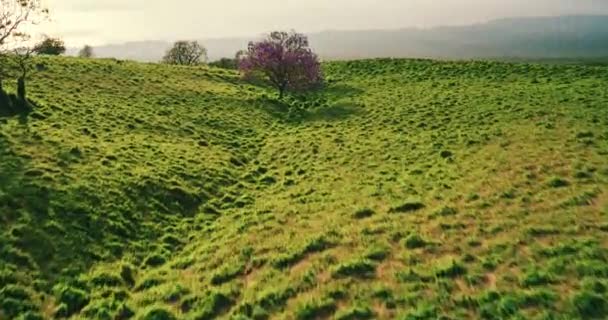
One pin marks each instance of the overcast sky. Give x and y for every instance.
(110, 21)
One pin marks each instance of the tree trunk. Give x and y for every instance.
(282, 91)
(5, 102)
(21, 89)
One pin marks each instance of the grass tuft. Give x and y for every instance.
(407, 207)
(356, 268)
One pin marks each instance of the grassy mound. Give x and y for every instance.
(157, 192)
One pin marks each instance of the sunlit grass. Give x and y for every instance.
(403, 189)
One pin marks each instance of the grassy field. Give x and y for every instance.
(406, 189)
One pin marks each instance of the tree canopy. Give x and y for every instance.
(186, 53)
(15, 17)
(86, 52)
(50, 46)
(285, 60)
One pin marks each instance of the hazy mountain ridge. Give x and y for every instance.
(543, 37)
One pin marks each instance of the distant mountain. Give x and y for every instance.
(542, 37)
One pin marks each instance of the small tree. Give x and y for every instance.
(22, 58)
(15, 16)
(186, 53)
(50, 46)
(229, 63)
(225, 63)
(285, 60)
(86, 52)
(16, 65)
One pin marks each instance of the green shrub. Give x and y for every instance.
(74, 299)
(317, 245)
(7, 277)
(446, 211)
(595, 285)
(171, 241)
(148, 284)
(590, 305)
(268, 180)
(225, 63)
(378, 253)
(592, 268)
(414, 241)
(106, 280)
(99, 309)
(30, 315)
(356, 313)
(422, 311)
(583, 175)
(127, 274)
(446, 154)
(542, 231)
(584, 134)
(259, 313)
(176, 293)
(411, 276)
(356, 268)
(227, 274)
(407, 207)
(61, 311)
(12, 307)
(363, 213)
(316, 309)
(14, 291)
(508, 306)
(287, 260)
(538, 298)
(158, 313)
(276, 299)
(212, 306)
(584, 199)
(452, 270)
(155, 260)
(124, 312)
(558, 182)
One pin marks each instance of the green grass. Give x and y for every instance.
(407, 189)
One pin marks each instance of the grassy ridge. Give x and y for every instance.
(406, 189)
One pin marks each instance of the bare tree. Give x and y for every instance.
(15, 15)
(186, 53)
(86, 52)
(22, 58)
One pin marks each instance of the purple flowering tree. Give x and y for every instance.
(285, 60)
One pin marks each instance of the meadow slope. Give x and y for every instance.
(407, 189)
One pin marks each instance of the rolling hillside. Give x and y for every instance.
(407, 189)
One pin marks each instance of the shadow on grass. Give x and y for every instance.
(37, 225)
(11, 106)
(24, 206)
(335, 102)
(341, 90)
(336, 112)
